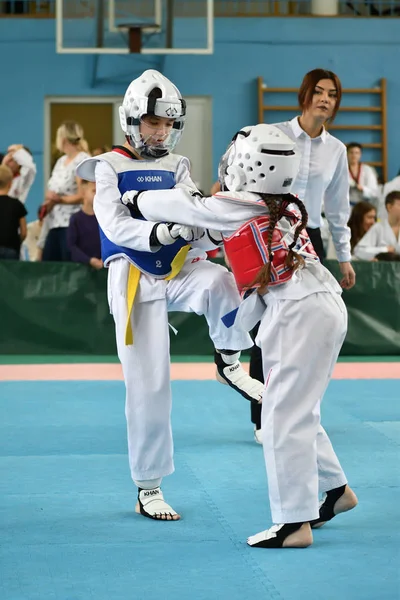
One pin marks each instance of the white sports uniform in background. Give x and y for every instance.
(22, 183)
(131, 248)
(377, 240)
(303, 326)
(368, 180)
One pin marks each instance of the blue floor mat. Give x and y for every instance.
(69, 532)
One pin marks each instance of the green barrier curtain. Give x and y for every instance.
(61, 308)
(373, 306)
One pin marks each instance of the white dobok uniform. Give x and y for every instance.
(22, 183)
(377, 240)
(201, 287)
(368, 180)
(303, 325)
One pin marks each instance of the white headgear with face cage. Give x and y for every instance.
(261, 159)
(137, 103)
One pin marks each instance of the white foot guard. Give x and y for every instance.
(289, 535)
(151, 504)
(236, 377)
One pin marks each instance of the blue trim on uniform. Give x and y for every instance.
(229, 319)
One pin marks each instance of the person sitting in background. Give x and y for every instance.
(12, 218)
(83, 232)
(29, 249)
(101, 150)
(19, 160)
(390, 186)
(384, 236)
(362, 218)
(362, 178)
(44, 232)
(387, 257)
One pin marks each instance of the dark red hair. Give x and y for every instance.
(356, 221)
(308, 84)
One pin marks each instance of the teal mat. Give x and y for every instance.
(68, 530)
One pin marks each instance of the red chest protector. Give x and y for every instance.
(247, 249)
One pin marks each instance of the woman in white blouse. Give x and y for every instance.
(63, 196)
(322, 181)
(363, 181)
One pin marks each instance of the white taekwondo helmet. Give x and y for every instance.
(261, 159)
(137, 103)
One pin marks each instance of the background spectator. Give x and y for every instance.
(384, 236)
(63, 196)
(391, 186)
(12, 218)
(363, 181)
(44, 231)
(362, 218)
(387, 257)
(19, 160)
(100, 150)
(83, 232)
(29, 249)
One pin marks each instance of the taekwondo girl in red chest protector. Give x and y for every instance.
(303, 321)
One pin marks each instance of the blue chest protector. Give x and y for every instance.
(142, 176)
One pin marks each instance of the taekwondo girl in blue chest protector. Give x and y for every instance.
(303, 321)
(154, 268)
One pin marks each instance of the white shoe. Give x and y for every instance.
(258, 435)
(290, 535)
(151, 504)
(236, 377)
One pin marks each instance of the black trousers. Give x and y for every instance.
(256, 369)
(8, 253)
(316, 240)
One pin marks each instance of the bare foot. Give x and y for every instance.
(302, 538)
(336, 501)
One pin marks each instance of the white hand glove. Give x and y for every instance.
(164, 235)
(216, 237)
(129, 197)
(189, 234)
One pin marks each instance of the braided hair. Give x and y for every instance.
(276, 205)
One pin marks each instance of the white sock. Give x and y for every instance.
(148, 484)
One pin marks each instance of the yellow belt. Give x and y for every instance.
(133, 284)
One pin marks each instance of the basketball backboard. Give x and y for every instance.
(139, 26)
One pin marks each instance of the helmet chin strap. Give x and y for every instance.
(147, 151)
(153, 152)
